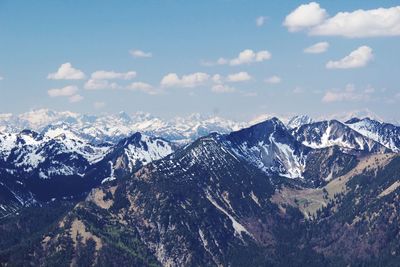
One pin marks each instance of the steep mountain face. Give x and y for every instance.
(326, 164)
(40, 167)
(130, 154)
(385, 133)
(270, 147)
(61, 164)
(334, 133)
(201, 206)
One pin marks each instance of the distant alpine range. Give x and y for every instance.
(198, 191)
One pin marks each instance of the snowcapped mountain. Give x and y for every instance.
(298, 121)
(270, 147)
(385, 133)
(224, 196)
(39, 167)
(348, 115)
(112, 128)
(202, 195)
(58, 163)
(35, 119)
(216, 196)
(28, 149)
(76, 152)
(334, 133)
(129, 154)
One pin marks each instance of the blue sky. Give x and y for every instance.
(188, 38)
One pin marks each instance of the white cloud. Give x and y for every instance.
(362, 23)
(109, 75)
(1, 78)
(349, 93)
(140, 54)
(248, 56)
(273, 79)
(188, 81)
(239, 77)
(143, 87)
(305, 16)
(356, 59)
(220, 61)
(66, 72)
(65, 91)
(75, 98)
(222, 88)
(317, 48)
(99, 105)
(94, 84)
(356, 24)
(260, 21)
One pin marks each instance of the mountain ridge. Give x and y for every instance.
(267, 194)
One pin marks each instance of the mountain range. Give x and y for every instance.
(118, 190)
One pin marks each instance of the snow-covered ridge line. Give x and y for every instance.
(114, 127)
(32, 146)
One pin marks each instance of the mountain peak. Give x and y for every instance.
(352, 120)
(298, 121)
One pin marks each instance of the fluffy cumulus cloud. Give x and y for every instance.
(66, 72)
(142, 87)
(356, 24)
(238, 77)
(101, 79)
(317, 48)
(247, 56)
(68, 91)
(356, 59)
(362, 23)
(187, 81)
(305, 16)
(260, 21)
(110, 75)
(75, 98)
(273, 79)
(93, 84)
(65, 91)
(136, 53)
(349, 93)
